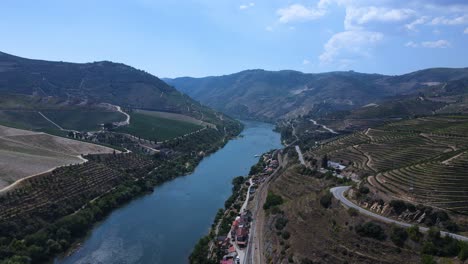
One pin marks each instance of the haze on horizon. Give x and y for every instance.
(203, 37)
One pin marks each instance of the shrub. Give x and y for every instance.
(451, 226)
(463, 254)
(442, 216)
(372, 230)
(17, 260)
(398, 236)
(433, 234)
(326, 200)
(276, 210)
(364, 190)
(272, 200)
(414, 233)
(353, 211)
(440, 246)
(281, 223)
(398, 206)
(286, 235)
(429, 248)
(426, 259)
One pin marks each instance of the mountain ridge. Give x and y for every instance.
(102, 81)
(291, 93)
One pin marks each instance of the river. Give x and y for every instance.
(163, 227)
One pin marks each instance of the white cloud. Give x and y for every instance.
(305, 62)
(358, 16)
(363, 15)
(412, 26)
(299, 12)
(459, 20)
(441, 43)
(354, 43)
(466, 31)
(247, 6)
(411, 44)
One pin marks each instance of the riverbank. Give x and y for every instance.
(172, 219)
(230, 235)
(59, 230)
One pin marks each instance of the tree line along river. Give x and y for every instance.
(163, 227)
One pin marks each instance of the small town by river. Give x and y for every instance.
(163, 227)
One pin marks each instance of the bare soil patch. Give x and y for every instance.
(24, 153)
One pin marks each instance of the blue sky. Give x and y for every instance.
(214, 37)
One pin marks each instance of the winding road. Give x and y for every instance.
(338, 193)
(127, 116)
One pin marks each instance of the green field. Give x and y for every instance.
(152, 127)
(30, 120)
(81, 120)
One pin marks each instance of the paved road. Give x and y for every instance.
(338, 192)
(254, 251)
(242, 252)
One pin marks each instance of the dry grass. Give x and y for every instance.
(24, 153)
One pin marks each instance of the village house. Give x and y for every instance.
(227, 261)
(336, 165)
(240, 229)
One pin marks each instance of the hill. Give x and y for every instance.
(420, 160)
(412, 171)
(97, 82)
(270, 95)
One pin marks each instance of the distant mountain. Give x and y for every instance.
(269, 95)
(103, 81)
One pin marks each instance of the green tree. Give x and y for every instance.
(463, 254)
(414, 233)
(372, 230)
(326, 200)
(398, 236)
(325, 162)
(17, 260)
(272, 200)
(427, 259)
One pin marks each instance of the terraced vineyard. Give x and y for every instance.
(438, 183)
(70, 187)
(400, 152)
(342, 143)
(423, 160)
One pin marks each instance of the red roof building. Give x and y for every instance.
(227, 261)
